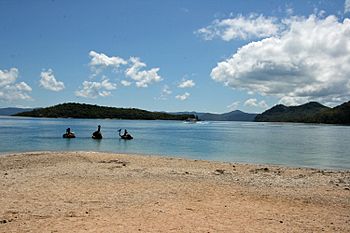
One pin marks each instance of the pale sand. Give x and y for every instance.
(102, 192)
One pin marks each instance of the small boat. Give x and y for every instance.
(194, 119)
(191, 120)
(125, 136)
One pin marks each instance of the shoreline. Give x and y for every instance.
(79, 191)
(333, 169)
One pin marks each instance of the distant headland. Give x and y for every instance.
(311, 112)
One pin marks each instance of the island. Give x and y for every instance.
(78, 110)
(311, 112)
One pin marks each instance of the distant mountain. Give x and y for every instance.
(12, 111)
(236, 115)
(312, 112)
(77, 110)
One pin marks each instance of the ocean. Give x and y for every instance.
(287, 144)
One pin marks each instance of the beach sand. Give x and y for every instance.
(105, 192)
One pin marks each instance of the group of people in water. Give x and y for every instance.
(97, 134)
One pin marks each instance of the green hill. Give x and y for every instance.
(312, 112)
(77, 110)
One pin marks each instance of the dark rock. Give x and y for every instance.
(219, 171)
(281, 221)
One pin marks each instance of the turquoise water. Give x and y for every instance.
(296, 145)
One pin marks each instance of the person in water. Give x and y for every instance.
(125, 132)
(97, 134)
(69, 134)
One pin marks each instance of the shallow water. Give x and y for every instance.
(297, 145)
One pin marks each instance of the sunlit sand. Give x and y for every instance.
(105, 192)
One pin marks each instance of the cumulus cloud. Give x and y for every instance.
(101, 59)
(309, 60)
(8, 76)
(142, 77)
(347, 6)
(9, 89)
(234, 105)
(100, 62)
(133, 68)
(254, 103)
(165, 92)
(187, 83)
(183, 97)
(96, 89)
(240, 27)
(125, 83)
(49, 82)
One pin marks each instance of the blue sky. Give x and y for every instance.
(211, 56)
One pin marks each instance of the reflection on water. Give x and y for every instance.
(309, 145)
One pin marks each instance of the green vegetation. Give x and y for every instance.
(77, 110)
(312, 112)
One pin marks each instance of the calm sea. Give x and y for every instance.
(296, 145)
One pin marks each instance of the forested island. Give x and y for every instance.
(312, 112)
(77, 110)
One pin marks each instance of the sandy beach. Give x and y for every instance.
(105, 192)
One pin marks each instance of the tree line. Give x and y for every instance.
(77, 110)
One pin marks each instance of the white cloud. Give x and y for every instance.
(234, 105)
(142, 77)
(347, 6)
(10, 90)
(165, 92)
(96, 89)
(135, 69)
(183, 97)
(254, 103)
(100, 62)
(101, 59)
(251, 103)
(125, 83)
(8, 77)
(309, 60)
(240, 27)
(263, 104)
(49, 82)
(187, 83)
(289, 10)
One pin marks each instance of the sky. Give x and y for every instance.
(175, 55)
